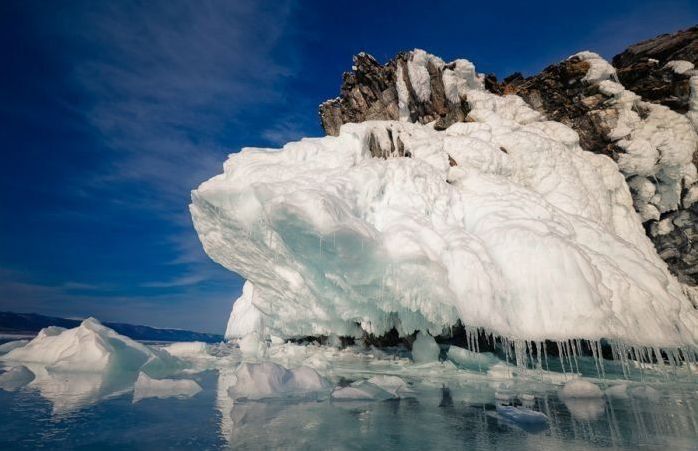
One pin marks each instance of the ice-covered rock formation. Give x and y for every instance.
(503, 222)
(413, 86)
(652, 145)
(640, 113)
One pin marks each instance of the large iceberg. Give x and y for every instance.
(502, 222)
(91, 347)
(77, 367)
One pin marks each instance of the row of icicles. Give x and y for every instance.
(633, 360)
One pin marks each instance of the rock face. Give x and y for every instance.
(561, 93)
(413, 86)
(642, 68)
(639, 112)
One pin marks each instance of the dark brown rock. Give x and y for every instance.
(369, 92)
(562, 95)
(641, 68)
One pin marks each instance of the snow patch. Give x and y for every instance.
(680, 66)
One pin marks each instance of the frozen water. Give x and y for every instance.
(430, 406)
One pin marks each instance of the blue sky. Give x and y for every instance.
(111, 112)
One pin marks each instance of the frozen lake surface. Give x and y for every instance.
(444, 406)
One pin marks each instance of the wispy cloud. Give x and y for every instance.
(169, 78)
(168, 88)
(169, 83)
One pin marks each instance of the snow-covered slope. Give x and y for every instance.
(503, 222)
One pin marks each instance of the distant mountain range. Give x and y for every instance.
(31, 323)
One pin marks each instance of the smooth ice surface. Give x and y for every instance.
(527, 236)
(147, 387)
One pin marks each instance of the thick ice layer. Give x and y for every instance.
(504, 223)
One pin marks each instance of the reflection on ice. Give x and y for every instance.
(310, 397)
(15, 378)
(450, 406)
(147, 387)
(69, 391)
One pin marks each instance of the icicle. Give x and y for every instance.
(574, 354)
(599, 352)
(596, 359)
(545, 354)
(561, 355)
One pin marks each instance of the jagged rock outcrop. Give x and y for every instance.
(643, 69)
(561, 92)
(640, 113)
(413, 86)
